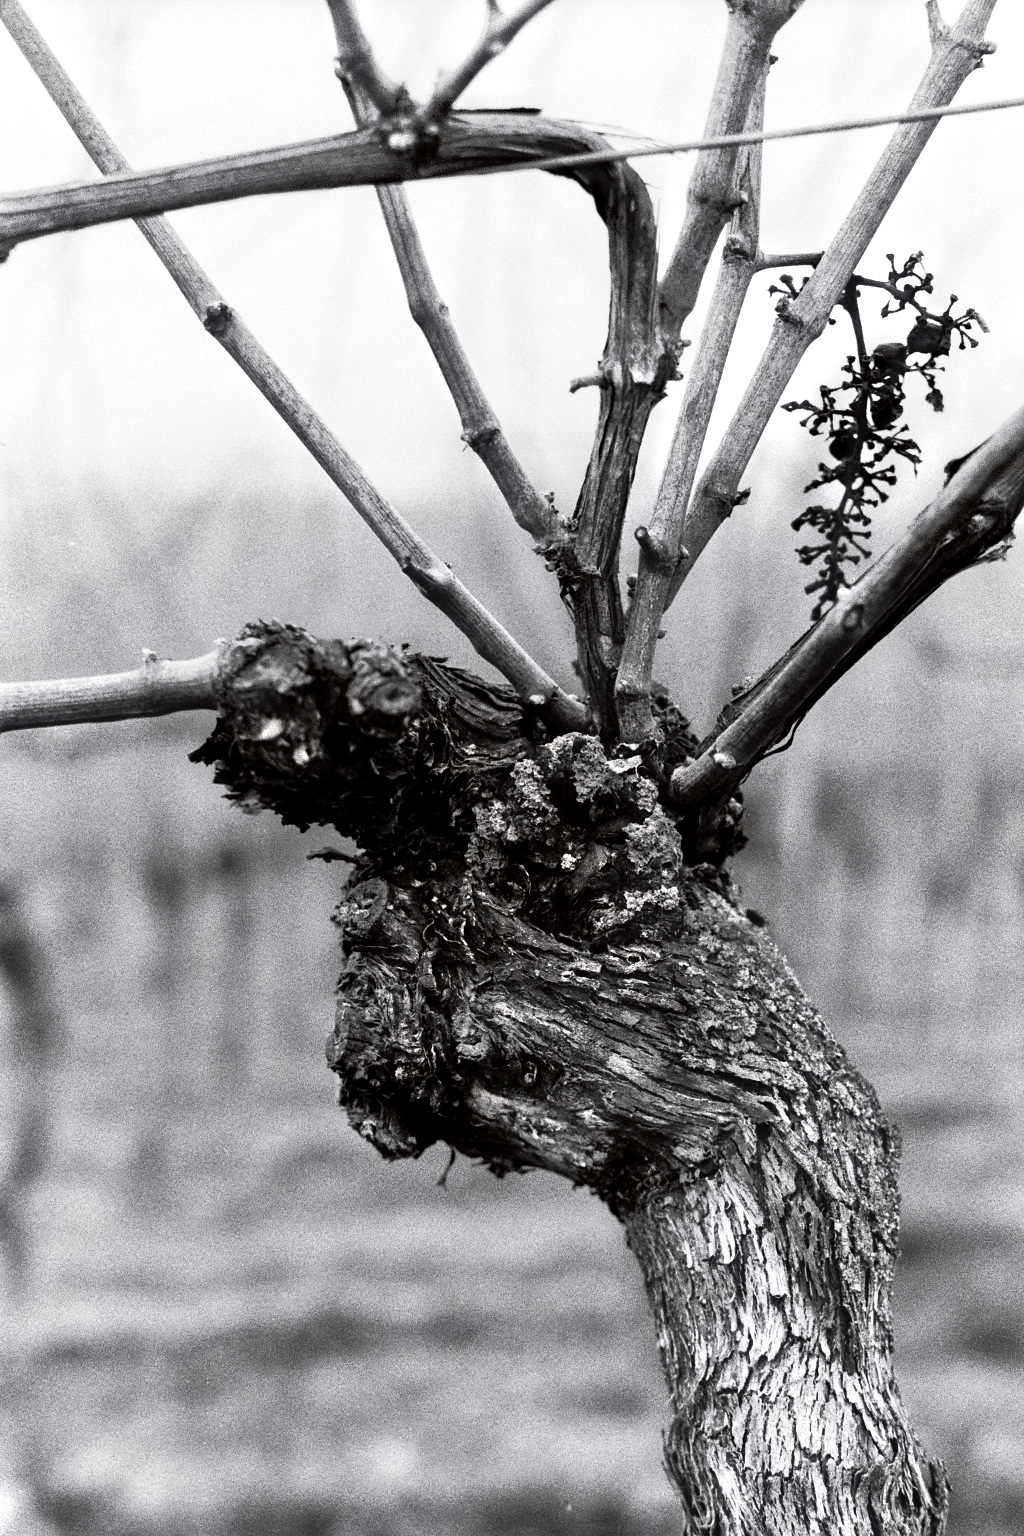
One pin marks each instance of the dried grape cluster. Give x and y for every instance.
(862, 418)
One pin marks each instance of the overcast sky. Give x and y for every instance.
(108, 387)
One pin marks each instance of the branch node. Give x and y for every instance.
(589, 381)
(216, 318)
(737, 249)
(479, 437)
(789, 315)
(403, 140)
(656, 550)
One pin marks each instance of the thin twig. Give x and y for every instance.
(955, 54)
(481, 429)
(711, 193)
(157, 688)
(429, 573)
(498, 32)
(791, 259)
(970, 520)
(661, 548)
(357, 60)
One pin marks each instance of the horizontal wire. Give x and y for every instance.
(735, 140)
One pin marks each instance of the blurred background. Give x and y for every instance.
(221, 1312)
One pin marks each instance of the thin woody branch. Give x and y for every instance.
(971, 520)
(788, 259)
(155, 688)
(956, 52)
(499, 30)
(358, 63)
(325, 163)
(481, 429)
(661, 548)
(424, 568)
(710, 198)
(633, 372)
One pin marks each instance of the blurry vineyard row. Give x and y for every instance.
(226, 1314)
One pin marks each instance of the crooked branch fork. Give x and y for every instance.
(399, 139)
(424, 568)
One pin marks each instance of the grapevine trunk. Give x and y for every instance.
(545, 969)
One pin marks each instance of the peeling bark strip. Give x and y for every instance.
(536, 973)
(633, 372)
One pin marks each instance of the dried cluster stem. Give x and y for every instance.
(491, 995)
(971, 518)
(956, 52)
(615, 658)
(680, 524)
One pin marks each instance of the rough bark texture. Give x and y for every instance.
(544, 969)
